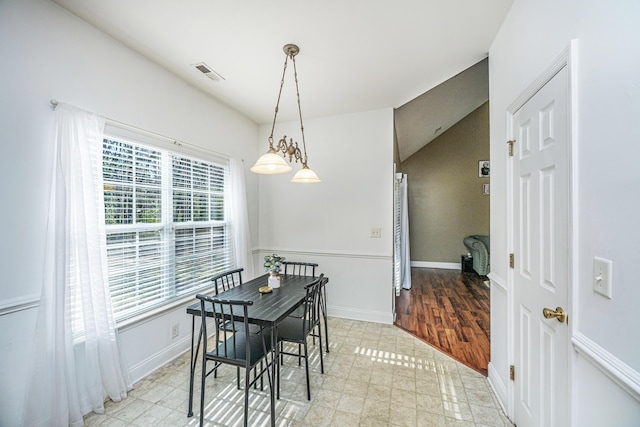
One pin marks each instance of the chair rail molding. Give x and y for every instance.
(618, 371)
(24, 302)
(498, 281)
(334, 254)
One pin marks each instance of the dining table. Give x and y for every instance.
(267, 310)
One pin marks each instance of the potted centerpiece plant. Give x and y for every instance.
(273, 264)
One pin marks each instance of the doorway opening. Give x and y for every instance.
(447, 164)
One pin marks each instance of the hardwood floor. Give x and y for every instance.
(450, 311)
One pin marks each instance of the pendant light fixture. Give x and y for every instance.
(271, 162)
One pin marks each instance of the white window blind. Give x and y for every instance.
(167, 229)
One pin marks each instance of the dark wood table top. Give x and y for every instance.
(267, 309)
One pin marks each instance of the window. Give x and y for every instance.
(167, 231)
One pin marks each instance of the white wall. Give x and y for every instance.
(48, 53)
(534, 33)
(330, 222)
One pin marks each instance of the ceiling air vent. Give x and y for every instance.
(207, 71)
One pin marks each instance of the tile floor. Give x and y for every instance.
(375, 375)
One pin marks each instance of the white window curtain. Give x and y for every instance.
(76, 362)
(401, 252)
(240, 219)
(405, 253)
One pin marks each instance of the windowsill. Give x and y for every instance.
(140, 319)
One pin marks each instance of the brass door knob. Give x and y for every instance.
(558, 313)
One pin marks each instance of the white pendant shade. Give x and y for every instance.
(270, 163)
(305, 176)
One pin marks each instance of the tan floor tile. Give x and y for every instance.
(380, 392)
(428, 419)
(318, 416)
(332, 382)
(408, 399)
(457, 409)
(356, 388)
(341, 418)
(351, 404)
(480, 397)
(376, 375)
(403, 416)
(328, 398)
(430, 404)
(381, 378)
(484, 415)
(132, 411)
(360, 374)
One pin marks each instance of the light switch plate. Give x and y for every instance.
(602, 274)
(376, 232)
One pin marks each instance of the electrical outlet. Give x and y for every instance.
(602, 273)
(376, 232)
(175, 330)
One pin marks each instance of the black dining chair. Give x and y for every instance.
(242, 348)
(297, 329)
(227, 280)
(297, 268)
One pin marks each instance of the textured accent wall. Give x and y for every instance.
(445, 193)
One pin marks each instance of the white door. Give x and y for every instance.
(541, 246)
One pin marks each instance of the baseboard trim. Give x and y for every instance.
(498, 387)
(442, 265)
(364, 315)
(158, 360)
(618, 371)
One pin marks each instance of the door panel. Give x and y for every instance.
(541, 238)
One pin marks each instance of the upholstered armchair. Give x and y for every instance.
(479, 248)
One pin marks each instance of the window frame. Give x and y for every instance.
(167, 226)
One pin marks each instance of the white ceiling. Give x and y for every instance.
(354, 55)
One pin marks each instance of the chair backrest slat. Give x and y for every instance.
(311, 315)
(297, 268)
(227, 280)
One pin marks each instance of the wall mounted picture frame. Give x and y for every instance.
(483, 169)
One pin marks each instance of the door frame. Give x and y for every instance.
(568, 58)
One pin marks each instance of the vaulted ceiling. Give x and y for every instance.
(421, 120)
(354, 55)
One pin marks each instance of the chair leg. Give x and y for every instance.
(323, 308)
(320, 348)
(203, 375)
(277, 378)
(281, 355)
(306, 365)
(247, 381)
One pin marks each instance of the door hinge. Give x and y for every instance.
(511, 260)
(512, 372)
(510, 144)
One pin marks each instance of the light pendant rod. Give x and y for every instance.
(295, 76)
(292, 51)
